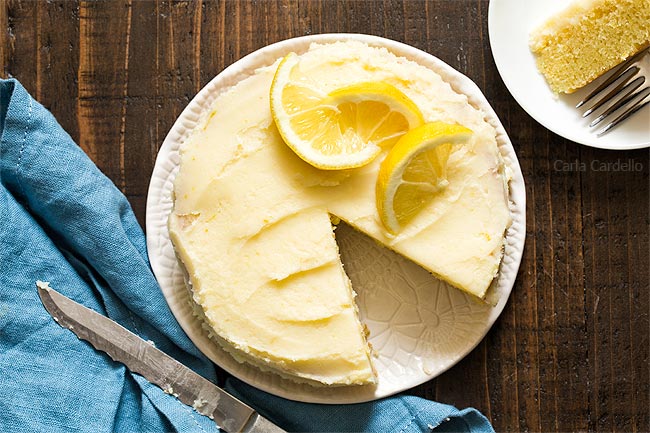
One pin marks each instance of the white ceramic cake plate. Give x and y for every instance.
(419, 326)
(509, 24)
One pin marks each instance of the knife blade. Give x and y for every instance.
(140, 356)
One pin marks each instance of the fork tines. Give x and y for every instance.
(629, 91)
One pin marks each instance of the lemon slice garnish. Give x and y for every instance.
(345, 128)
(414, 170)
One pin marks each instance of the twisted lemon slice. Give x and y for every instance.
(414, 170)
(346, 128)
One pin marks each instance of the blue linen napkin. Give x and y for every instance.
(63, 221)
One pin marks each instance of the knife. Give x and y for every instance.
(143, 358)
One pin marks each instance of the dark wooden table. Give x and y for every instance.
(571, 350)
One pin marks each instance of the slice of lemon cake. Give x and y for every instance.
(251, 219)
(587, 39)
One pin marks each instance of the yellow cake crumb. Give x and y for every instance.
(588, 38)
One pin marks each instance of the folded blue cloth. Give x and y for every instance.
(64, 222)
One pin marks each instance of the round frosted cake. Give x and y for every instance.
(252, 222)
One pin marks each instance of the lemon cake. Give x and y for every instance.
(251, 222)
(588, 38)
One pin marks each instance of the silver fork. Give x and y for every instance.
(626, 95)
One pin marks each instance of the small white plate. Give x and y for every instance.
(509, 24)
(419, 326)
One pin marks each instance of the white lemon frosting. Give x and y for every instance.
(251, 220)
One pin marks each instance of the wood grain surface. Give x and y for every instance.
(571, 350)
